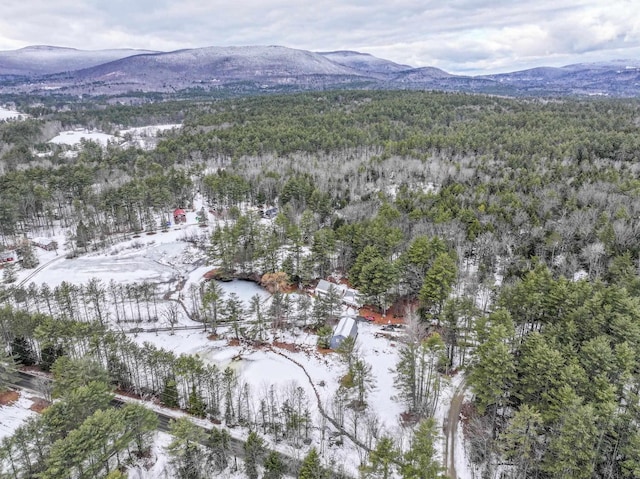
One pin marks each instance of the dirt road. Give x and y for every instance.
(451, 430)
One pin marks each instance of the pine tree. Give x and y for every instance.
(29, 257)
(22, 352)
(311, 467)
(571, 451)
(219, 447)
(253, 453)
(420, 461)
(438, 282)
(494, 371)
(196, 405)
(187, 456)
(169, 396)
(9, 274)
(523, 440)
(382, 459)
(274, 468)
(70, 374)
(8, 371)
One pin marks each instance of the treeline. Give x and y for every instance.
(183, 381)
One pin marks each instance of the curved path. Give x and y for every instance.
(40, 268)
(335, 423)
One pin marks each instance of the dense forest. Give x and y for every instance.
(509, 225)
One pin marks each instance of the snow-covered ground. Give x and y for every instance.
(151, 130)
(145, 137)
(13, 415)
(6, 114)
(73, 137)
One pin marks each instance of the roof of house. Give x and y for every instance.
(346, 326)
(324, 285)
(43, 241)
(351, 296)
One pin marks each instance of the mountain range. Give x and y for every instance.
(47, 69)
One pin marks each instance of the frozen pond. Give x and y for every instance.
(156, 263)
(245, 290)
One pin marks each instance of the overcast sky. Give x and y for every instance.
(460, 36)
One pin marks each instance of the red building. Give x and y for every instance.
(179, 216)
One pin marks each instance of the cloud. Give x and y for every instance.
(473, 36)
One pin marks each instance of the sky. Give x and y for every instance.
(459, 36)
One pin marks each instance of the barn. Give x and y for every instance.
(179, 216)
(347, 327)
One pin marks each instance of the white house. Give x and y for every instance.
(346, 328)
(323, 288)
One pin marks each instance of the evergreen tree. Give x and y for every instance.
(196, 405)
(29, 257)
(382, 459)
(70, 374)
(438, 282)
(83, 236)
(49, 355)
(187, 456)
(169, 396)
(8, 371)
(494, 371)
(9, 274)
(253, 453)
(571, 451)
(22, 352)
(274, 468)
(523, 440)
(420, 461)
(311, 467)
(219, 448)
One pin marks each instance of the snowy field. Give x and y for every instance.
(73, 137)
(145, 137)
(6, 114)
(13, 415)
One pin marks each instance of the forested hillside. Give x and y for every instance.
(510, 226)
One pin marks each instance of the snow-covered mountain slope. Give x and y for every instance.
(212, 63)
(364, 62)
(247, 69)
(44, 60)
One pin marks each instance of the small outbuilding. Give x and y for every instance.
(179, 216)
(46, 244)
(346, 328)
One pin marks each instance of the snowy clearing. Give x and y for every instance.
(13, 415)
(6, 114)
(73, 137)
